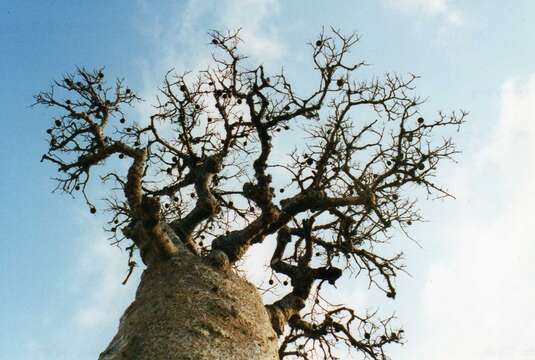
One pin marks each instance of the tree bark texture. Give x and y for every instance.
(187, 309)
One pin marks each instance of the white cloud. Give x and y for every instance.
(478, 302)
(260, 40)
(449, 14)
(96, 296)
(101, 268)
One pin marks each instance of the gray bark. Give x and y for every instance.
(186, 308)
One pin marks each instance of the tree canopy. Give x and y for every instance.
(202, 176)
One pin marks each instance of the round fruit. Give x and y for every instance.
(318, 43)
(57, 123)
(122, 120)
(340, 82)
(93, 210)
(420, 120)
(310, 161)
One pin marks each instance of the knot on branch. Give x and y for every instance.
(213, 164)
(308, 200)
(283, 235)
(150, 207)
(276, 316)
(259, 194)
(369, 199)
(330, 274)
(284, 309)
(208, 207)
(229, 245)
(219, 260)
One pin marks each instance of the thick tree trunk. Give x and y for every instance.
(187, 309)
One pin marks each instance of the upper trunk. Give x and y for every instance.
(187, 309)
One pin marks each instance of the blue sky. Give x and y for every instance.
(471, 291)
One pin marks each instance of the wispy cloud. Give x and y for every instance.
(451, 15)
(260, 39)
(101, 268)
(478, 301)
(97, 299)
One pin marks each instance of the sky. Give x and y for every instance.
(470, 291)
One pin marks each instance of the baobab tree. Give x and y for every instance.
(199, 186)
